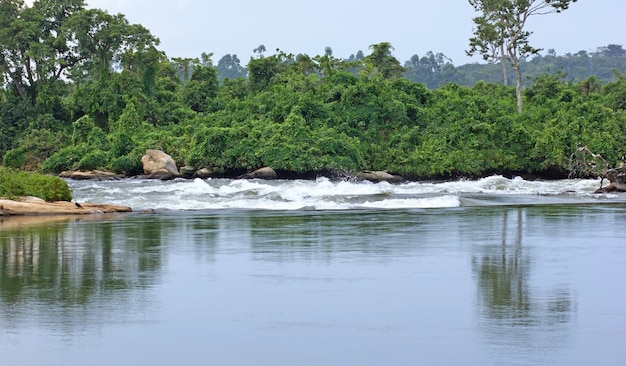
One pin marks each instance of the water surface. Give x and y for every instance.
(504, 276)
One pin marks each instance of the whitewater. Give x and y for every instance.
(326, 194)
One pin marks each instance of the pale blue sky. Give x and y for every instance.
(187, 28)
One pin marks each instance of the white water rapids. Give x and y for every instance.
(324, 194)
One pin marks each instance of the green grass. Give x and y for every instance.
(14, 183)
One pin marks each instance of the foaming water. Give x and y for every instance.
(324, 194)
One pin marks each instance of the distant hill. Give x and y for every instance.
(434, 70)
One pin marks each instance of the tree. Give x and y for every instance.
(229, 67)
(500, 31)
(201, 89)
(259, 50)
(613, 50)
(381, 59)
(34, 52)
(428, 69)
(106, 41)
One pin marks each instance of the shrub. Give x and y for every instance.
(126, 165)
(96, 159)
(65, 159)
(17, 183)
(14, 158)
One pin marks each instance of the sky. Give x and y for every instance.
(187, 28)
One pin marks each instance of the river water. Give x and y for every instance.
(232, 272)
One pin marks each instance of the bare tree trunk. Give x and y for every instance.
(503, 62)
(518, 87)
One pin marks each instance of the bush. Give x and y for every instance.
(16, 183)
(15, 158)
(81, 129)
(65, 159)
(96, 159)
(127, 165)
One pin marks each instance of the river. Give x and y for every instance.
(233, 272)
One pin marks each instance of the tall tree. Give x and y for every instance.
(33, 50)
(500, 33)
(107, 41)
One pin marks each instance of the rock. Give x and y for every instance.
(187, 171)
(30, 206)
(159, 165)
(90, 175)
(31, 199)
(378, 176)
(615, 186)
(203, 173)
(262, 173)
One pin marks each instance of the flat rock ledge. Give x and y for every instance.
(90, 175)
(35, 206)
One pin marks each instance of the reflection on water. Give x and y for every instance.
(67, 266)
(500, 285)
(513, 306)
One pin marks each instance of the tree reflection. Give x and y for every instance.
(510, 302)
(503, 276)
(75, 261)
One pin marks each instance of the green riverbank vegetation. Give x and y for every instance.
(83, 89)
(14, 184)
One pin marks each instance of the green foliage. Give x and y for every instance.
(382, 60)
(81, 128)
(199, 92)
(14, 158)
(127, 165)
(121, 144)
(95, 159)
(65, 159)
(33, 147)
(15, 184)
(293, 113)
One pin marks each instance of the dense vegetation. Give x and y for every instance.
(19, 184)
(98, 102)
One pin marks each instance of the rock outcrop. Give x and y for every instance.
(378, 176)
(263, 173)
(159, 165)
(90, 175)
(37, 206)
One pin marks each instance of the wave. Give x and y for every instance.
(324, 194)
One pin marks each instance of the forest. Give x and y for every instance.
(83, 89)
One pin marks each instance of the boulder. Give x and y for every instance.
(159, 165)
(378, 176)
(90, 175)
(263, 173)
